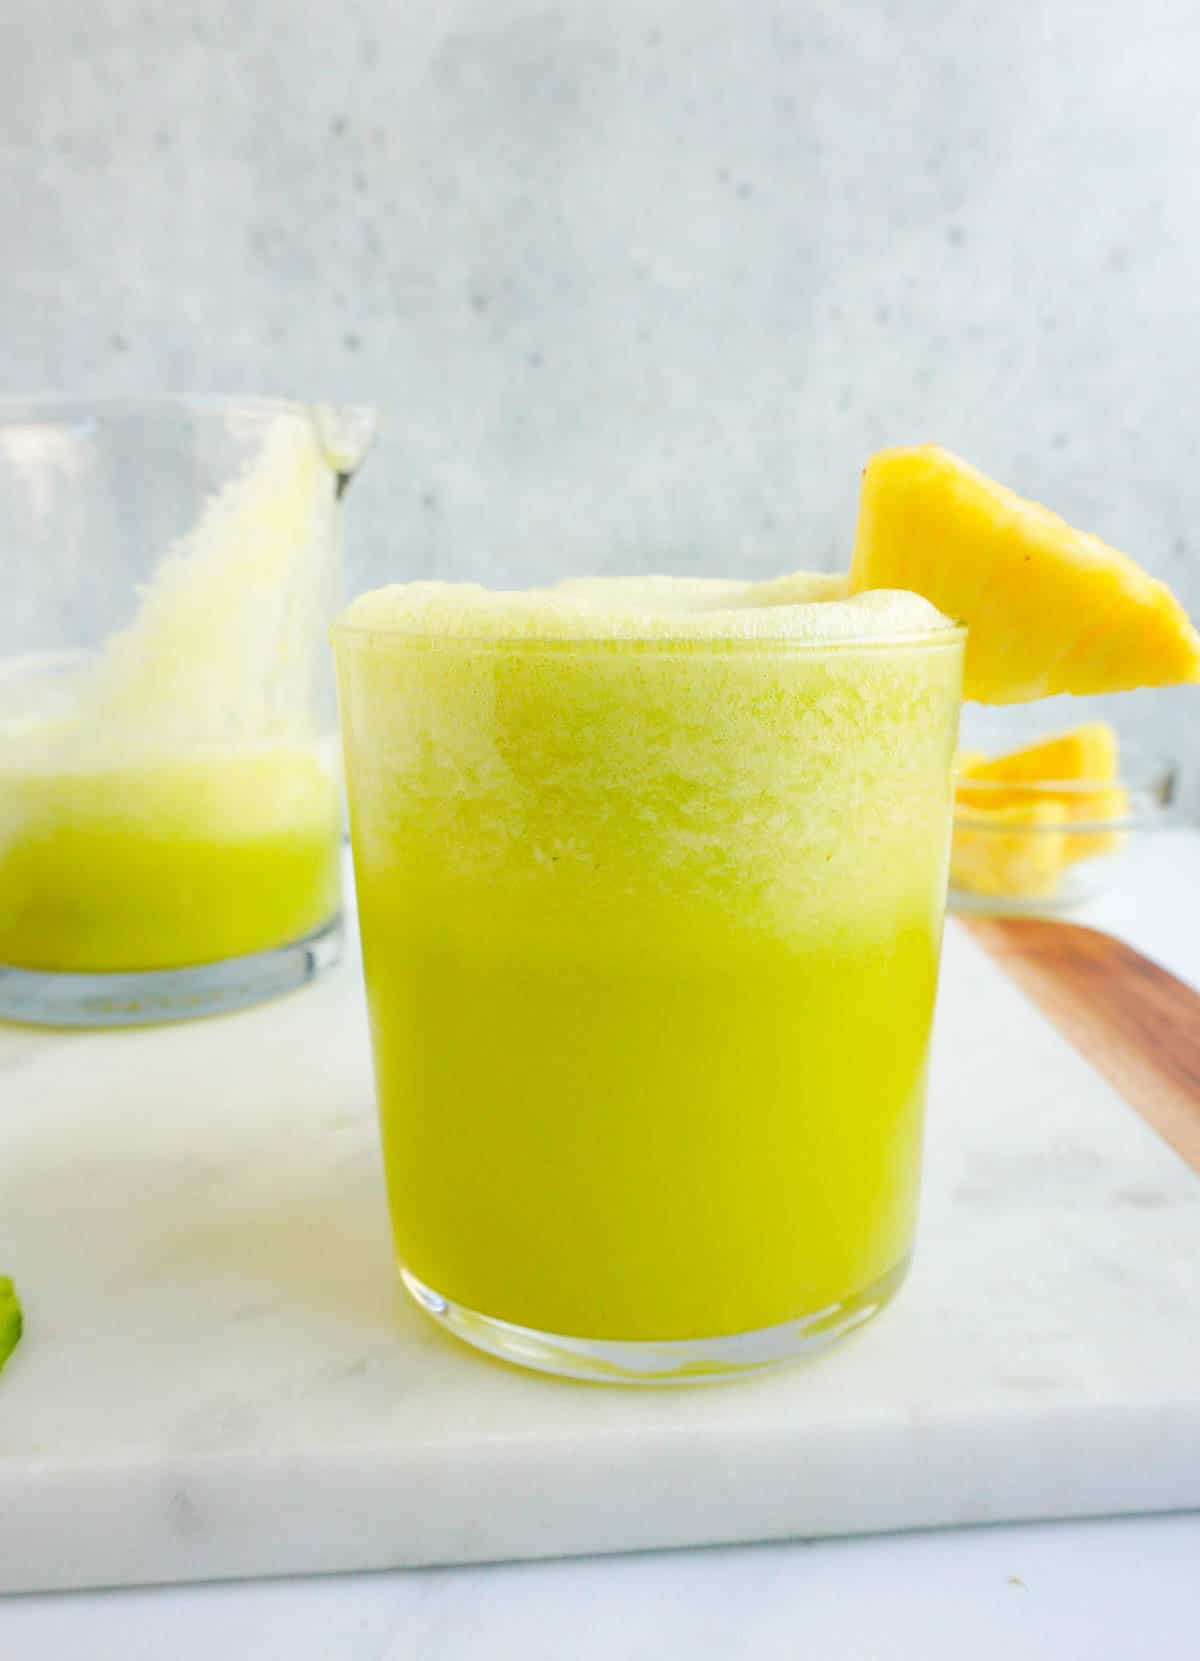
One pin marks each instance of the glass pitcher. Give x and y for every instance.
(170, 787)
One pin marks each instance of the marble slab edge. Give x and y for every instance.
(505, 1498)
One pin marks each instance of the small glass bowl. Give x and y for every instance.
(1041, 847)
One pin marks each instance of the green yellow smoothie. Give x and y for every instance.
(161, 862)
(651, 877)
(173, 797)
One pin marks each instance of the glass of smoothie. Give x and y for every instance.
(651, 877)
(170, 797)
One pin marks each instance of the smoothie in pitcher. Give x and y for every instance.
(172, 798)
(162, 861)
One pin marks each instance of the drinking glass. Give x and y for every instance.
(650, 932)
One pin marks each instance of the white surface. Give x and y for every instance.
(755, 1597)
(638, 284)
(1104, 1591)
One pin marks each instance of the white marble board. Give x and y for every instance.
(220, 1377)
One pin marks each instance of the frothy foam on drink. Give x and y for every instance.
(805, 607)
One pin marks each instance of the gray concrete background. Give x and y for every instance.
(637, 285)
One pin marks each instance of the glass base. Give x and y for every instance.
(46, 998)
(1075, 888)
(677, 1361)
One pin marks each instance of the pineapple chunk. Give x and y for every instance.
(1017, 852)
(1048, 608)
(1086, 752)
(1083, 762)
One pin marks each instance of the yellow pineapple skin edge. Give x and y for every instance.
(1049, 609)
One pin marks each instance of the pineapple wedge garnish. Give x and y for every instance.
(1048, 609)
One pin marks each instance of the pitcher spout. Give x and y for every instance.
(346, 433)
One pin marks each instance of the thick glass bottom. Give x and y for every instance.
(143, 997)
(677, 1361)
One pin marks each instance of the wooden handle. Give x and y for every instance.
(1136, 1023)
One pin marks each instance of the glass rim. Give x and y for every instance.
(342, 633)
